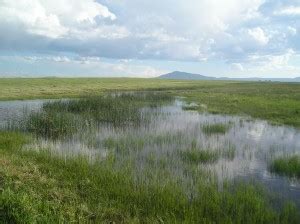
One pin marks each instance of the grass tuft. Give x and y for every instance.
(285, 165)
(211, 129)
(60, 119)
(196, 155)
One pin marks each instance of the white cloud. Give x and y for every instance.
(291, 10)
(61, 59)
(292, 30)
(93, 66)
(259, 35)
(237, 67)
(271, 62)
(51, 18)
(103, 31)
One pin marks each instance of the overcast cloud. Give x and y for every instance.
(146, 38)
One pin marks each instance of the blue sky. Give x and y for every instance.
(143, 38)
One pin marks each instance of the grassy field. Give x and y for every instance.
(11, 89)
(276, 102)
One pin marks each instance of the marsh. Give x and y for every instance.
(157, 141)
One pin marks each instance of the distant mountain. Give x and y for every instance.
(190, 76)
(185, 76)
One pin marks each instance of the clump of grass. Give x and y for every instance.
(125, 144)
(63, 118)
(228, 152)
(12, 141)
(52, 125)
(219, 128)
(197, 155)
(287, 165)
(111, 109)
(190, 107)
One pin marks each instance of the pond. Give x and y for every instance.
(168, 143)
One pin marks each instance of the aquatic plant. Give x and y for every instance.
(195, 155)
(63, 118)
(219, 128)
(191, 106)
(52, 125)
(286, 165)
(228, 151)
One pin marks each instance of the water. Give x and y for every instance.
(15, 110)
(156, 145)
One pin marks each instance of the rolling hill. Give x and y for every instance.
(190, 76)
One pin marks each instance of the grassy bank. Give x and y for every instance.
(37, 187)
(276, 102)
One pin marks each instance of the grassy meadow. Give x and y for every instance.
(142, 176)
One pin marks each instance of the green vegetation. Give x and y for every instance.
(287, 165)
(196, 156)
(37, 187)
(51, 124)
(190, 107)
(276, 102)
(228, 152)
(141, 178)
(210, 129)
(53, 88)
(65, 117)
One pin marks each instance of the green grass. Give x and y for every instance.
(41, 88)
(278, 103)
(60, 119)
(211, 129)
(287, 165)
(44, 188)
(191, 107)
(52, 125)
(196, 156)
(39, 188)
(228, 152)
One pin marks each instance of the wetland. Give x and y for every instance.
(146, 157)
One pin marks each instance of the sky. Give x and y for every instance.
(147, 38)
